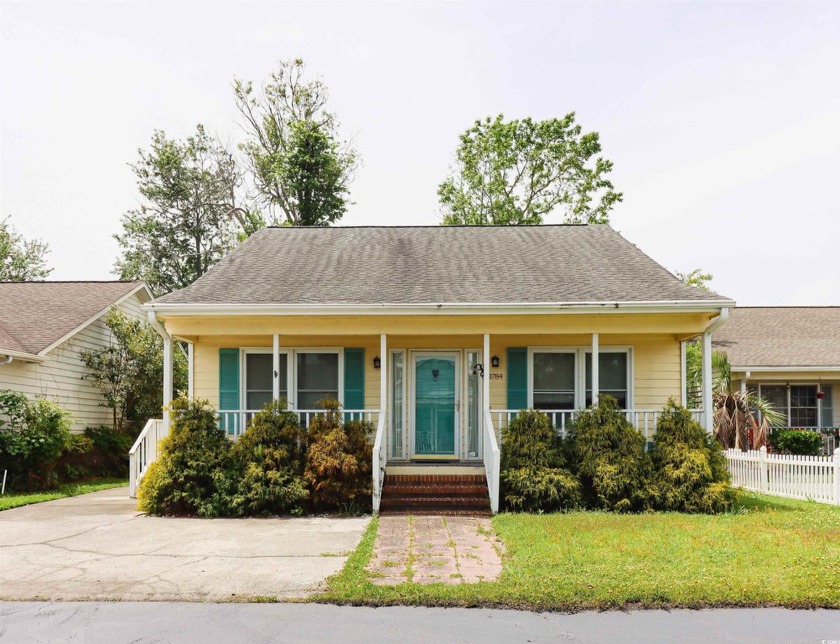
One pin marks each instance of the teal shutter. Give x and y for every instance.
(228, 388)
(354, 379)
(517, 385)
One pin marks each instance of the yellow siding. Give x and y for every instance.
(678, 325)
(655, 359)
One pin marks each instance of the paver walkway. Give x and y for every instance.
(435, 549)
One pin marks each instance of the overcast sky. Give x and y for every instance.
(722, 119)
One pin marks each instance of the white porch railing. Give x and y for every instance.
(814, 478)
(235, 422)
(492, 461)
(143, 453)
(379, 458)
(642, 419)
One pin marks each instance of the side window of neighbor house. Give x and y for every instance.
(258, 386)
(776, 395)
(612, 376)
(827, 407)
(553, 380)
(803, 406)
(317, 378)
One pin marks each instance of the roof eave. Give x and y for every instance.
(781, 368)
(22, 355)
(521, 308)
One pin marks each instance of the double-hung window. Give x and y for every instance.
(317, 377)
(561, 379)
(553, 380)
(799, 405)
(304, 377)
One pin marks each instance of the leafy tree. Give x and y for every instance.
(516, 172)
(299, 165)
(21, 259)
(188, 219)
(696, 278)
(129, 371)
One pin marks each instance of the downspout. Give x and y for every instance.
(6, 360)
(167, 365)
(707, 368)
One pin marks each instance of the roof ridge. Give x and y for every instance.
(438, 226)
(71, 282)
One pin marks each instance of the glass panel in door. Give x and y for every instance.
(434, 406)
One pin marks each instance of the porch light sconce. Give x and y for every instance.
(495, 361)
(377, 363)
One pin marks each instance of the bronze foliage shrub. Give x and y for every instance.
(338, 463)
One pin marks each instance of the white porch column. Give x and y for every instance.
(191, 370)
(707, 382)
(595, 369)
(275, 368)
(383, 374)
(485, 381)
(168, 381)
(683, 377)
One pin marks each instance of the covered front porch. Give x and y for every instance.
(438, 390)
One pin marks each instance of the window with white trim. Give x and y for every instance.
(258, 388)
(800, 405)
(561, 379)
(317, 377)
(553, 380)
(613, 376)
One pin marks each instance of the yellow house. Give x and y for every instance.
(437, 334)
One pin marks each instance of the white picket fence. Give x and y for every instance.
(814, 478)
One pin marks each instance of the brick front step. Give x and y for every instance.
(454, 494)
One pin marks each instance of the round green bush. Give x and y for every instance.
(608, 455)
(690, 470)
(192, 475)
(271, 455)
(533, 475)
(796, 441)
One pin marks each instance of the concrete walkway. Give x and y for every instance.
(93, 623)
(98, 547)
(435, 549)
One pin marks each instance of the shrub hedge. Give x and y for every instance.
(796, 441)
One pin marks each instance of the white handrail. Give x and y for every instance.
(378, 463)
(642, 419)
(235, 421)
(492, 461)
(143, 453)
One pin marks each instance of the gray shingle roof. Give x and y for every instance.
(437, 264)
(799, 336)
(33, 315)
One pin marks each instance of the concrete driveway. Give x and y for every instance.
(98, 547)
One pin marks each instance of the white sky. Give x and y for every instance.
(723, 119)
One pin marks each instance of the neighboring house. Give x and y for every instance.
(790, 355)
(440, 333)
(43, 328)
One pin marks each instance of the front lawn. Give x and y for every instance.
(15, 499)
(770, 551)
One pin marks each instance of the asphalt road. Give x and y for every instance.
(113, 623)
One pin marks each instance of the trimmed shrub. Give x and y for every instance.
(533, 477)
(33, 434)
(194, 474)
(338, 463)
(608, 455)
(271, 455)
(796, 441)
(691, 474)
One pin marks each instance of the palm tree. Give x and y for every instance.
(742, 419)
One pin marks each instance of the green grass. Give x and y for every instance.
(15, 500)
(770, 552)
